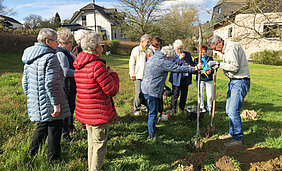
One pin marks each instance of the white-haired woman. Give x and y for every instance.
(96, 85)
(180, 81)
(77, 37)
(152, 85)
(46, 100)
(66, 58)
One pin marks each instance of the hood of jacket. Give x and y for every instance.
(84, 58)
(34, 52)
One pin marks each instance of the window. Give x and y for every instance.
(83, 18)
(219, 10)
(230, 32)
(273, 30)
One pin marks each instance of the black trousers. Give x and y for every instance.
(183, 88)
(51, 129)
(68, 122)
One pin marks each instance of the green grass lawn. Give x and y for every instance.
(128, 148)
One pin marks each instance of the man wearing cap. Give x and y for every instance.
(235, 67)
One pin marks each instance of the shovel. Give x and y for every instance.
(211, 127)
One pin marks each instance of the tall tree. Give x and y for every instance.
(179, 22)
(140, 16)
(4, 10)
(57, 20)
(32, 21)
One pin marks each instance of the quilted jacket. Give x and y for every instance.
(42, 83)
(175, 78)
(156, 71)
(95, 89)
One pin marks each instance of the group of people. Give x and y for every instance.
(59, 78)
(149, 66)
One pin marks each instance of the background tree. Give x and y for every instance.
(32, 21)
(57, 20)
(4, 10)
(139, 17)
(179, 22)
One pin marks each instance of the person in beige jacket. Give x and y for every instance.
(235, 67)
(137, 64)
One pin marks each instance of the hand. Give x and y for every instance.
(198, 67)
(133, 78)
(182, 56)
(208, 71)
(57, 110)
(55, 114)
(213, 63)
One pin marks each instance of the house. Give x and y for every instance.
(9, 22)
(106, 21)
(255, 25)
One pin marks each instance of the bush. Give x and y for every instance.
(117, 47)
(268, 57)
(114, 46)
(15, 43)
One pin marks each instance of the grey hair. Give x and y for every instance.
(46, 33)
(214, 40)
(64, 35)
(78, 35)
(145, 37)
(178, 43)
(90, 41)
(168, 51)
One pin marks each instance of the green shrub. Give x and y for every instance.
(268, 57)
(114, 46)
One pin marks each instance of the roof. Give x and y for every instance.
(73, 27)
(10, 19)
(233, 1)
(230, 8)
(107, 13)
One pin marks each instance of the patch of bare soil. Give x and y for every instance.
(249, 157)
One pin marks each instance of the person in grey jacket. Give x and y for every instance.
(153, 82)
(42, 83)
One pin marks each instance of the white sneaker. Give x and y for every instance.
(223, 137)
(136, 113)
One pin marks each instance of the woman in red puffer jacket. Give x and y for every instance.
(96, 85)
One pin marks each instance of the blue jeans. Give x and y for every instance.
(237, 90)
(152, 105)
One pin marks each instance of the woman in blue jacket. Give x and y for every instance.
(180, 81)
(46, 100)
(152, 85)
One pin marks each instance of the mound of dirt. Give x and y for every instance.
(226, 158)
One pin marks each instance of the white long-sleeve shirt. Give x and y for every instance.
(137, 62)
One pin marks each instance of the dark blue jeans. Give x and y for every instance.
(237, 90)
(152, 105)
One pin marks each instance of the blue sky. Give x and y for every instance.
(47, 8)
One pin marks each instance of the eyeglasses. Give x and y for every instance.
(70, 42)
(53, 40)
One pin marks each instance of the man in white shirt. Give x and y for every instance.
(137, 64)
(235, 67)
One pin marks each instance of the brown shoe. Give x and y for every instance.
(233, 143)
(223, 137)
